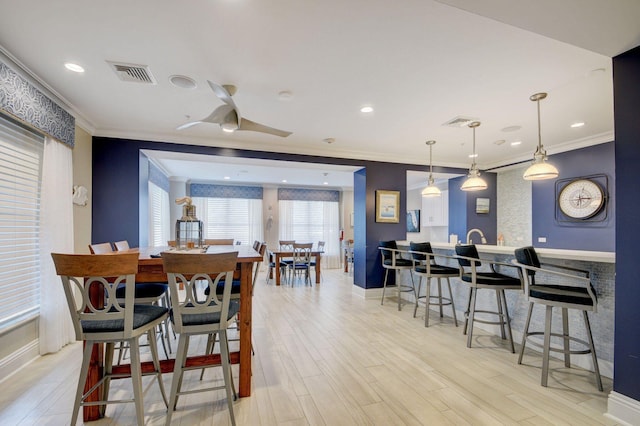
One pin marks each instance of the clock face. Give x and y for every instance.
(581, 199)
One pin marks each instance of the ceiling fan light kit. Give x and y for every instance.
(540, 169)
(228, 116)
(474, 182)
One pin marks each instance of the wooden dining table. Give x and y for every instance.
(278, 255)
(150, 269)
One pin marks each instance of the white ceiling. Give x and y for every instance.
(419, 63)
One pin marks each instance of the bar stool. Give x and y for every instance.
(426, 266)
(468, 260)
(392, 260)
(574, 292)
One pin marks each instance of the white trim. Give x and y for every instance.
(11, 364)
(623, 409)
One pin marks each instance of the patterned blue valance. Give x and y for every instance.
(23, 101)
(308, 194)
(225, 191)
(157, 177)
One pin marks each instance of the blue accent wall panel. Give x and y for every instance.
(462, 209)
(486, 222)
(360, 228)
(626, 85)
(585, 235)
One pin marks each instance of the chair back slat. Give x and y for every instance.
(467, 250)
(121, 245)
(100, 248)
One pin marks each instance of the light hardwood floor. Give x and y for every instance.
(327, 357)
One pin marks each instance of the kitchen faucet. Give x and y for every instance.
(482, 238)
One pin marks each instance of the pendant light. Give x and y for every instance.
(474, 182)
(540, 169)
(431, 190)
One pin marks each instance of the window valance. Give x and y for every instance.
(22, 100)
(157, 177)
(300, 194)
(225, 191)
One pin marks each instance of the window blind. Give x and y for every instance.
(21, 153)
(159, 226)
(237, 218)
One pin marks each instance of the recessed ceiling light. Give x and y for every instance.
(183, 81)
(511, 128)
(325, 183)
(73, 67)
(366, 109)
(284, 181)
(579, 124)
(473, 155)
(227, 177)
(516, 143)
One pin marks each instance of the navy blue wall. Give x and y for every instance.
(462, 209)
(120, 195)
(588, 235)
(626, 85)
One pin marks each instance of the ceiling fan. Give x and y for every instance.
(228, 116)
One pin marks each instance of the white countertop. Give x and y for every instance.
(545, 253)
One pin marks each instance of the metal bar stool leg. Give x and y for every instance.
(440, 297)
(500, 313)
(525, 332)
(566, 338)
(547, 345)
(417, 295)
(466, 313)
(472, 302)
(427, 302)
(384, 285)
(507, 321)
(453, 307)
(593, 350)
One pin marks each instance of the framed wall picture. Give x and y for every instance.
(482, 205)
(387, 206)
(413, 221)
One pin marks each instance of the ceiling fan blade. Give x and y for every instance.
(187, 125)
(222, 93)
(246, 124)
(220, 115)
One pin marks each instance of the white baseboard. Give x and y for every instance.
(623, 409)
(18, 359)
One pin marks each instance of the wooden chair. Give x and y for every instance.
(117, 320)
(218, 241)
(193, 316)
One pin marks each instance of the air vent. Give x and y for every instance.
(133, 72)
(459, 121)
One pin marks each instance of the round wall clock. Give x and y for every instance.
(581, 199)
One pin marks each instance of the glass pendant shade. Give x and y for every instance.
(474, 182)
(540, 169)
(431, 190)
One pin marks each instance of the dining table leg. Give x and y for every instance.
(244, 387)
